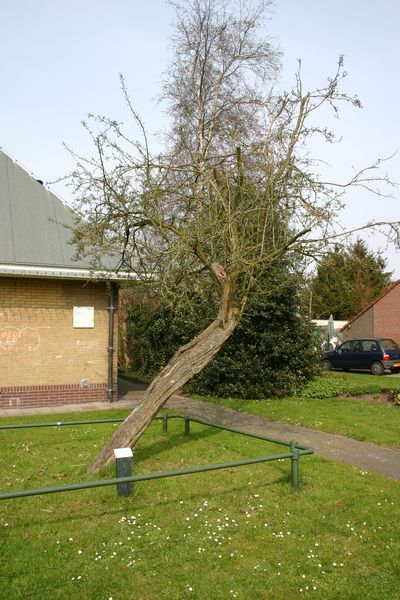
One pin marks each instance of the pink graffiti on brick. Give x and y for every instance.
(14, 339)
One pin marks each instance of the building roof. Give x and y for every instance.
(34, 231)
(364, 310)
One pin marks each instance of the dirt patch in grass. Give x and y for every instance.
(380, 398)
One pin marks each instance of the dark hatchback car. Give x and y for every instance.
(371, 354)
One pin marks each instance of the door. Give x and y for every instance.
(346, 356)
(368, 352)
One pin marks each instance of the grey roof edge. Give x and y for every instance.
(65, 273)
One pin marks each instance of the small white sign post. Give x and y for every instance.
(123, 464)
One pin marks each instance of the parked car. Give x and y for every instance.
(370, 354)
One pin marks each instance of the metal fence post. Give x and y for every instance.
(295, 465)
(187, 425)
(123, 464)
(165, 423)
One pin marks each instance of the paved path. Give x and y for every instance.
(363, 455)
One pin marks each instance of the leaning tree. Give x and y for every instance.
(232, 192)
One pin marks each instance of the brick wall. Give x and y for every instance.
(387, 315)
(43, 358)
(361, 327)
(382, 319)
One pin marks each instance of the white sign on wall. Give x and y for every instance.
(84, 316)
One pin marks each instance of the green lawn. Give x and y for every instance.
(238, 533)
(353, 416)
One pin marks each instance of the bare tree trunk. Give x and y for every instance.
(186, 362)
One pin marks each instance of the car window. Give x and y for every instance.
(368, 346)
(389, 345)
(348, 346)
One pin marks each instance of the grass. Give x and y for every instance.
(372, 420)
(238, 533)
(386, 382)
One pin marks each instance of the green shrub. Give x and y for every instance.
(271, 352)
(150, 339)
(155, 331)
(325, 387)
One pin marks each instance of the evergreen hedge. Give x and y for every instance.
(270, 353)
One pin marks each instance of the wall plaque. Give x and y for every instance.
(83, 317)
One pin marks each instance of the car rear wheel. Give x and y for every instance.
(377, 368)
(327, 365)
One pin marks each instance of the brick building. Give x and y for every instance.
(379, 319)
(57, 318)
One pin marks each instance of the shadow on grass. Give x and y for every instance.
(172, 442)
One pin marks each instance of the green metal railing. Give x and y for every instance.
(295, 451)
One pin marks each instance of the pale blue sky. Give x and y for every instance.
(61, 61)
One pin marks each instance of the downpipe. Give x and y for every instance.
(112, 307)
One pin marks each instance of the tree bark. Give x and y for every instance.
(186, 362)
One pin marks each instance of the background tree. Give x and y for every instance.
(347, 280)
(233, 191)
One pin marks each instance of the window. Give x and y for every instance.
(368, 346)
(348, 346)
(389, 345)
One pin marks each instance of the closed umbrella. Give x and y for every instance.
(330, 332)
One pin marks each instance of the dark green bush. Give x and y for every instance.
(155, 331)
(270, 353)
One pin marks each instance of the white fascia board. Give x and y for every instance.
(64, 273)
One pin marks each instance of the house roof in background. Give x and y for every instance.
(388, 289)
(34, 231)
